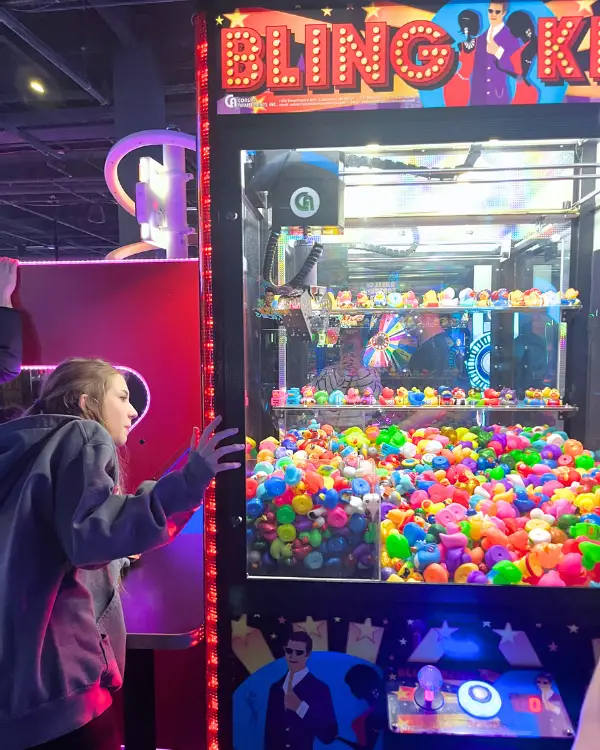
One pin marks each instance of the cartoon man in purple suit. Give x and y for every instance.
(300, 708)
(493, 64)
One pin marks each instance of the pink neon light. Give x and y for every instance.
(105, 262)
(119, 367)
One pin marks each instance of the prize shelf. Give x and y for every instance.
(442, 310)
(378, 407)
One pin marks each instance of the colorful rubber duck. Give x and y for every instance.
(395, 299)
(571, 297)
(483, 298)
(431, 397)
(459, 397)
(368, 398)
(445, 395)
(516, 298)
(387, 397)
(363, 300)
(401, 397)
(427, 553)
(491, 397)
(533, 397)
(508, 397)
(500, 298)
(430, 299)
(474, 397)
(353, 396)
(551, 397)
(308, 396)
(416, 397)
(321, 398)
(336, 398)
(379, 299)
(410, 299)
(344, 299)
(279, 398)
(293, 397)
(466, 297)
(447, 298)
(532, 298)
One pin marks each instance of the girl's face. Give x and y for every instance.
(117, 412)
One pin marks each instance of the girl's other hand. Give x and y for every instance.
(206, 446)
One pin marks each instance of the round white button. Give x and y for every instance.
(479, 699)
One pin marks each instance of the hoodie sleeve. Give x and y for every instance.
(11, 345)
(96, 526)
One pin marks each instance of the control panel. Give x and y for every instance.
(517, 703)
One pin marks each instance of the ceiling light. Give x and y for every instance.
(37, 86)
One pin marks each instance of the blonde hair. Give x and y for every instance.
(63, 389)
(73, 378)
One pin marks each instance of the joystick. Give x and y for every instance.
(428, 695)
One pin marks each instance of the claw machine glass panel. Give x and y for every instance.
(406, 328)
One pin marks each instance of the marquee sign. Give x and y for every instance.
(395, 56)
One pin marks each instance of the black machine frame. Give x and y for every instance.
(238, 593)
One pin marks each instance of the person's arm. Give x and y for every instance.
(95, 526)
(505, 52)
(589, 721)
(11, 344)
(321, 716)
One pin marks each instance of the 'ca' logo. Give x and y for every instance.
(305, 202)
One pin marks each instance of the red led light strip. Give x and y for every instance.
(208, 371)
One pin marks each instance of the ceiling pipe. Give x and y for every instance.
(37, 44)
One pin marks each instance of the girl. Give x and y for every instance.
(457, 91)
(524, 28)
(62, 634)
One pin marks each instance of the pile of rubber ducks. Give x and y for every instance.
(448, 298)
(476, 505)
(442, 396)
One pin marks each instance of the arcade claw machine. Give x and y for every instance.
(398, 210)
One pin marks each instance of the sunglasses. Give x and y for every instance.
(493, 12)
(295, 651)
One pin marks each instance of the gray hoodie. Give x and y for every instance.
(62, 634)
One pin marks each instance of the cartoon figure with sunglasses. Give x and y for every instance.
(492, 65)
(300, 708)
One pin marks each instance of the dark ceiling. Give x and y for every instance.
(53, 198)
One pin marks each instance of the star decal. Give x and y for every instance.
(337, 619)
(391, 657)
(538, 624)
(402, 641)
(236, 18)
(385, 622)
(371, 11)
(241, 629)
(219, 20)
(349, 7)
(573, 628)
(487, 624)
(366, 630)
(281, 620)
(445, 631)
(309, 626)
(326, 11)
(273, 636)
(392, 676)
(410, 622)
(586, 6)
(553, 647)
(507, 634)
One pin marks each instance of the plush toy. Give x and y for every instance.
(379, 299)
(446, 298)
(344, 299)
(500, 298)
(308, 396)
(353, 396)
(395, 299)
(466, 297)
(430, 299)
(363, 300)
